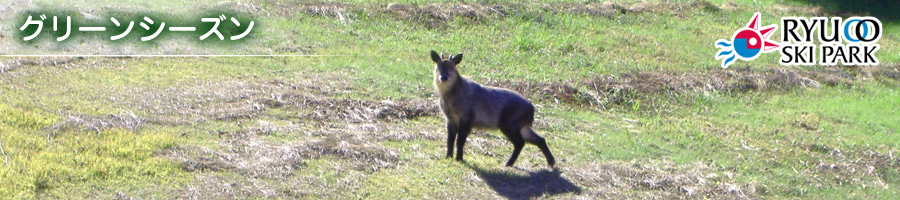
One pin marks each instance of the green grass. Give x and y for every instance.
(772, 141)
(74, 163)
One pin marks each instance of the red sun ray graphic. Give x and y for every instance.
(754, 22)
(765, 32)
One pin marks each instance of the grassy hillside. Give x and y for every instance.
(628, 94)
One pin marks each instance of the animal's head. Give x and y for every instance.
(445, 72)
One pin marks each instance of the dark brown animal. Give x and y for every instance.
(468, 105)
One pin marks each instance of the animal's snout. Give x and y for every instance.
(443, 78)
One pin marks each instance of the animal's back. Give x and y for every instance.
(493, 105)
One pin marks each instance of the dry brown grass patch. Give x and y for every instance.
(661, 179)
(628, 88)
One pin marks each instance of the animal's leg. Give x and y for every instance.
(451, 136)
(461, 140)
(531, 137)
(518, 143)
(517, 148)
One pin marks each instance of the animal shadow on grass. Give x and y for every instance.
(535, 184)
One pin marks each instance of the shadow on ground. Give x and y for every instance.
(534, 184)
(884, 10)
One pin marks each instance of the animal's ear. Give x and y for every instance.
(435, 57)
(456, 59)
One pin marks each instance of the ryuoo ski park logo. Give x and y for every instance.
(747, 43)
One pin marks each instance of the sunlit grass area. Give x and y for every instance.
(628, 95)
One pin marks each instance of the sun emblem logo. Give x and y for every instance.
(747, 43)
